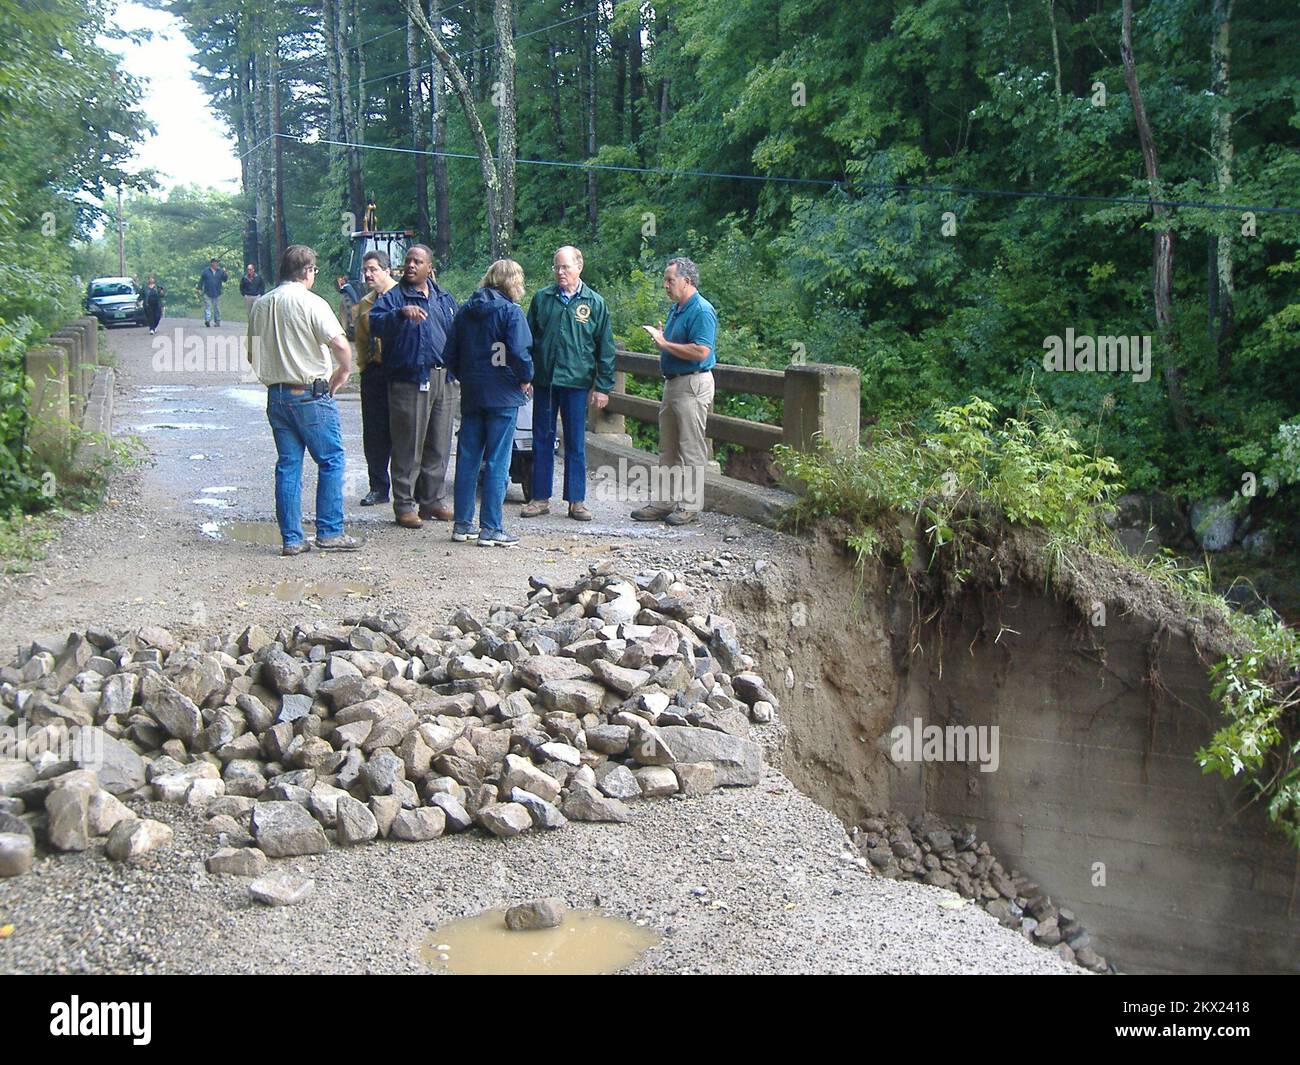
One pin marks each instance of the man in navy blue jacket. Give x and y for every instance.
(488, 353)
(411, 321)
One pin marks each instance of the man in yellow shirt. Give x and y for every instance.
(298, 350)
(376, 439)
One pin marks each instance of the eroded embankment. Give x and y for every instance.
(1096, 794)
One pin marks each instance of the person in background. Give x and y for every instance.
(488, 353)
(376, 438)
(573, 360)
(251, 286)
(153, 304)
(291, 335)
(687, 354)
(209, 287)
(410, 321)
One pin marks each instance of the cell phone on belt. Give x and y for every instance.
(320, 387)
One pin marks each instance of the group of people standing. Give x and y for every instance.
(416, 347)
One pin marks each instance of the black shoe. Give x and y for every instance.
(371, 498)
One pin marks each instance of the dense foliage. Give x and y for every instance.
(69, 119)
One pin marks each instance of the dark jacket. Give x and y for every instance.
(487, 351)
(210, 281)
(411, 349)
(152, 299)
(251, 286)
(573, 344)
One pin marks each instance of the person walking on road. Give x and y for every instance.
(573, 361)
(153, 304)
(251, 286)
(487, 352)
(410, 321)
(687, 354)
(209, 287)
(291, 334)
(376, 437)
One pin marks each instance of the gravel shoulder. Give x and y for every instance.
(754, 880)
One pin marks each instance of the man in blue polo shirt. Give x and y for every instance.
(687, 353)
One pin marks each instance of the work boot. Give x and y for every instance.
(579, 512)
(409, 519)
(682, 516)
(337, 543)
(374, 497)
(536, 508)
(437, 512)
(651, 512)
(300, 548)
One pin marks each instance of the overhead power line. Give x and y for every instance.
(948, 190)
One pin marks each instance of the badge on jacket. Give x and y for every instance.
(582, 312)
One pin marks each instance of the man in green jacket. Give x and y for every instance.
(573, 357)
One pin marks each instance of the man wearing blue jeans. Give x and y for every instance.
(291, 333)
(573, 357)
(210, 282)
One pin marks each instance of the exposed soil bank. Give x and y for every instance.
(1096, 795)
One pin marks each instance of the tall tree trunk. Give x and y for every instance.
(281, 226)
(557, 105)
(441, 192)
(413, 103)
(1221, 149)
(1163, 266)
(356, 196)
(464, 92)
(503, 232)
(261, 159)
(247, 162)
(591, 30)
(618, 45)
(636, 82)
(330, 29)
(1056, 47)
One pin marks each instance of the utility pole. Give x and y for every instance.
(121, 244)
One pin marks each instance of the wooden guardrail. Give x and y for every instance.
(819, 401)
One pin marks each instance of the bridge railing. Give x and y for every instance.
(818, 401)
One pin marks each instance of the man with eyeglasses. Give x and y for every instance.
(292, 333)
(573, 361)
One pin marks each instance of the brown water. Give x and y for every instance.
(294, 591)
(266, 533)
(589, 943)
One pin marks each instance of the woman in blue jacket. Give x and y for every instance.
(488, 353)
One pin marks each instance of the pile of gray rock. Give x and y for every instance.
(928, 850)
(569, 707)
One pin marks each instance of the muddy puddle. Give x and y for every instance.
(263, 533)
(589, 943)
(295, 591)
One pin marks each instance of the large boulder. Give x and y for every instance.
(735, 761)
(285, 830)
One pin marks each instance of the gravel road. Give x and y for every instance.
(743, 880)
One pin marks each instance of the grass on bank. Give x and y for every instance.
(971, 476)
(70, 488)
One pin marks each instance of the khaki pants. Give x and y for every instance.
(421, 427)
(683, 441)
(248, 304)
